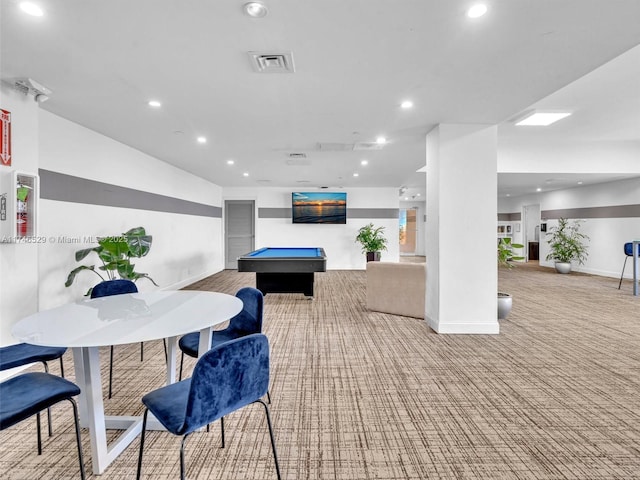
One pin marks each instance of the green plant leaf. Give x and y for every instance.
(75, 271)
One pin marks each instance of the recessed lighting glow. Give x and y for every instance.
(202, 140)
(356, 174)
(538, 189)
(155, 103)
(417, 194)
(406, 198)
(364, 162)
(381, 140)
(230, 162)
(31, 9)
(255, 9)
(245, 174)
(580, 183)
(542, 119)
(477, 10)
(508, 195)
(406, 104)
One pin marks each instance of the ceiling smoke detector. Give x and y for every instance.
(263, 62)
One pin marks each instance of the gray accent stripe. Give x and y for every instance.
(67, 188)
(509, 217)
(613, 211)
(351, 213)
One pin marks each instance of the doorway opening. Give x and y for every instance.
(239, 222)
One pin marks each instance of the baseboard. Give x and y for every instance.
(188, 281)
(471, 328)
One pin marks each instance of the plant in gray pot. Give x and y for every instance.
(505, 257)
(567, 244)
(116, 253)
(372, 240)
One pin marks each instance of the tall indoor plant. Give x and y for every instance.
(567, 244)
(115, 253)
(505, 257)
(372, 240)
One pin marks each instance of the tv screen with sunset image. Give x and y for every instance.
(319, 207)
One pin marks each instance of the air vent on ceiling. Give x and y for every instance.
(263, 62)
(297, 155)
(334, 147)
(368, 146)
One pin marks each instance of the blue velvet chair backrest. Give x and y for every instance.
(113, 287)
(249, 320)
(628, 249)
(226, 378)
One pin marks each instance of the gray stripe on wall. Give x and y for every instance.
(614, 211)
(509, 217)
(351, 213)
(67, 188)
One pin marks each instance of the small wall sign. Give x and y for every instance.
(5, 138)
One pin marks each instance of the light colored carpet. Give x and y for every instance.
(360, 395)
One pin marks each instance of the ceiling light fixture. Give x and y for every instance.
(407, 104)
(364, 162)
(31, 9)
(381, 140)
(230, 162)
(356, 174)
(477, 10)
(538, 189)
(542, 119)
(154, 103)
(202, 140)
(245, 174)
(255, 9)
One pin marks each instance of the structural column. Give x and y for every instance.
(462, 276)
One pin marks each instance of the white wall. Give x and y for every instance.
(19, 262)
(607, 235)
(185, 247)
(338, 241)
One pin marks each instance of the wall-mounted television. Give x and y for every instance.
(319, 207)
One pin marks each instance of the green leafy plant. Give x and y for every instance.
(371, 238)
(116, 253)
(505, 252)
(567, 242)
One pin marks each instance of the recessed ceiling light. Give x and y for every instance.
(542, 119)
(508, 195)
(477, 10)
(381, 140)
(202, 140)
(364, 162)
(406, 198)
(580, 183)
(356, 174)
(245, 174)
(255, 9)
(538, 189)
(406, 104)
(230, 162)
(31, 9)
(417, 194)
(154, 103)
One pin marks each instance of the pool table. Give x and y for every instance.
(284, 269)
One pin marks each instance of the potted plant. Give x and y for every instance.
(505, 257)
(567, 244)
(372, 240)
(116, 253)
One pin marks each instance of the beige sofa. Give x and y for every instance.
(397, 288)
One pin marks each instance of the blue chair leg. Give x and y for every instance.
(49, 424)
(142, 435)
(184, 439)
(273, 441)
(622, 274)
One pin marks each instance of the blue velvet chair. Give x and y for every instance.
(248, 321)
(106, 289)
(628, 252)
(227, 378)
(20, 354)
(28, 394)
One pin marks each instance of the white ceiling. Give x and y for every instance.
(355, 61)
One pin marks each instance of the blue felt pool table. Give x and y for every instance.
(284, 269)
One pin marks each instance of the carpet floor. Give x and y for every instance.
(360, 395)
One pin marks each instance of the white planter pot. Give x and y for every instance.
(563, 267)
(505, 302)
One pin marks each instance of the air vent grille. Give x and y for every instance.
(263, 62)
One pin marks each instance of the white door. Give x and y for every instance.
(239, 230)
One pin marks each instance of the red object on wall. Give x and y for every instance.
(5, 138)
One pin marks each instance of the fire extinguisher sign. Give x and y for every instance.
(5, 138)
